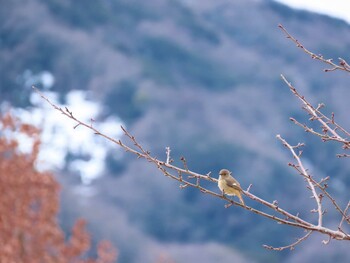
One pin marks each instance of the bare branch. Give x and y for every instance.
(305, 174)
(345, 216)
(167, 169)
(330, 130)
(291, 246)
(326, 123)
(343, 65)
(337, 207)
(167, 151)
(342, 155)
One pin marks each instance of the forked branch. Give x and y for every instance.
(331, 130)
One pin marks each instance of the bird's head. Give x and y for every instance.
(224, 173)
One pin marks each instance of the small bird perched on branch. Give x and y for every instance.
(229, 185)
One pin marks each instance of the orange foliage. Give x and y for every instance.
(29, 204)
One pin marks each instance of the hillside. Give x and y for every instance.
(200, 77)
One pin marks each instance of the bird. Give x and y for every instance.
(229, 185)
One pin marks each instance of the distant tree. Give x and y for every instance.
(29, 203)
(318, 187)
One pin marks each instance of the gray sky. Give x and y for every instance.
(335, 8)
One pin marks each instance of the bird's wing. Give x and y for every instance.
(234, 184)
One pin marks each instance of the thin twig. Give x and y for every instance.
(345, 217)
(343, 65)
(337, 207)
(167, 151)
(305, 174)
(291, 246)
(320, 117)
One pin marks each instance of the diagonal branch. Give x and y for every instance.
(345, 216)
(305, 174)
(291, 246)
(343, 65)
(320, 117)
(177, 173)
(142, 153)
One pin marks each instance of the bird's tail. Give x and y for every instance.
(241, 199)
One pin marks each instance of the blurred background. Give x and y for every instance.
(202, 77)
